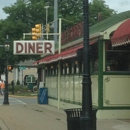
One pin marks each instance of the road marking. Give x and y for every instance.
(21, 101)
(12, 101)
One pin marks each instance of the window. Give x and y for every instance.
(76, 67)
(94, 58)
(118, 58)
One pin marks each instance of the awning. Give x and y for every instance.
(122, 34)
(66, 54)
(60, 56)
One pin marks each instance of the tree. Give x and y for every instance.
(72, 15)
(98, 10)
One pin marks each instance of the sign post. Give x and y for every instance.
(22, 67)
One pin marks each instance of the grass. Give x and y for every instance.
(30, 94)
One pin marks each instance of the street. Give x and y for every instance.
(19, 100)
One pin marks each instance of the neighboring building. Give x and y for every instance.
(109, 64)
(21, 70)
(3, 77)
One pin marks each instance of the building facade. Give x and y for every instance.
(21, 70)
(109, 67)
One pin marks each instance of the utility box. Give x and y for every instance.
(30, 80)
(43, 96)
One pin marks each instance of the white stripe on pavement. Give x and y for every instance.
(11, 100)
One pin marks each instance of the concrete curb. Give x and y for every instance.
(23, 96)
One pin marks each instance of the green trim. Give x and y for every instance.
(100, 73)
(116, 73)
(114, 108)
(52, 98)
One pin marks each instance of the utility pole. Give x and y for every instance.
(55, 19)
(59, 73)
(46, 7)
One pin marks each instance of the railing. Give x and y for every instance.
(72, 33)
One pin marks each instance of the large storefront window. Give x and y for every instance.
(118, 58)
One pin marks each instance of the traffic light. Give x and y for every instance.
(47, 28)
(38, 30)
(10, 67)
(34, 37)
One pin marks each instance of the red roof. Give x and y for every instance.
(122, 34)
(66, 54)
(60, 56)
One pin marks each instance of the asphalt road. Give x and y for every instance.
(19, 100)
(28, 100)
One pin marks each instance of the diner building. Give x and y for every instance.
(109, 45)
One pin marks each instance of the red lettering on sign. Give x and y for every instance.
(39, 47)
(47, 47)
(19, 47)
(31, 47)
(25, 47)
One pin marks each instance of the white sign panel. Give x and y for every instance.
(33, 47)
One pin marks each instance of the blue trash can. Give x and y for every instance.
(43, 96)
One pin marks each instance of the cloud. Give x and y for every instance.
(4, 3)
(124, 3)
(118, 5)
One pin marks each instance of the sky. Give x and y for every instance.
(117, 5)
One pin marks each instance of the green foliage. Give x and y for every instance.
(71, 10)
(12, 83)
(20, 88)
(18, 82)
(22, 91)
(99, 6)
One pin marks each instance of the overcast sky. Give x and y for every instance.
(118, 5)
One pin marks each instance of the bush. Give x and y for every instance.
(9, 88)
(22, 91)
(18, 82)
(12, 83)
(20, 88)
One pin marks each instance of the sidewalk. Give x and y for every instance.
(45, 117)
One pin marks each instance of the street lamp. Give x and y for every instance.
(86, 117)
(7, 46)
(46, 7)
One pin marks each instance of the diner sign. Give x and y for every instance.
(33, 47)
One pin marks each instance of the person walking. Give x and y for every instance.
(2, 87)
